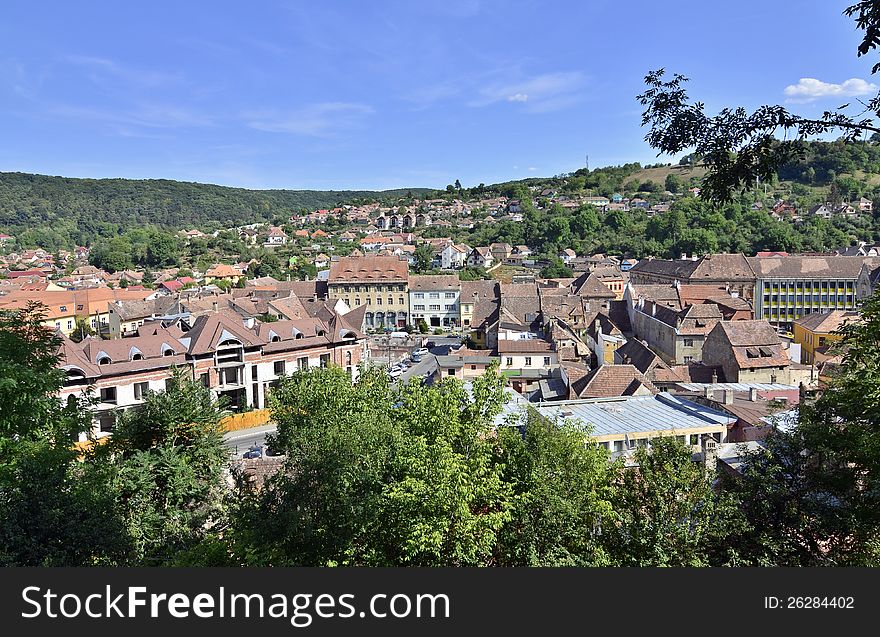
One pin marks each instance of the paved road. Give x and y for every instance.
(427, 365)
(240, 441)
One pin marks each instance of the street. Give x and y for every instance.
(240, 441)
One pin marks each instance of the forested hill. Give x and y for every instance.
(30, 201)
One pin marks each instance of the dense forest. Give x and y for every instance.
(55, 211)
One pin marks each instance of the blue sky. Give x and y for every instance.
(385, 94)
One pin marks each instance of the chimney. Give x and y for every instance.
(753, 394)
(708, 393)
(710, 453)
(215, 306)
(714, 376)
(728, 396)
(684, 256)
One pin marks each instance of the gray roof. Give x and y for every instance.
(807, 267)
(635, 414)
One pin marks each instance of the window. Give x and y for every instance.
(401, 288)
(419, 308)
(434, 308)
(400, 300)
(379, 300)
(528, 360)
(546, 361)
(108, 395)
(63, 308)
(449, 295)
(357, 300)
(449, 308)
(419, 295)
(450, 372)
(302, 363)
(390, 300)
(369, 301)
(695, 439)
(688, 342)
(325, 360)
(140, 390)
(278, 367)
(70, 325)
(205, 379)
(473, 367)
(434, 295)
(688, 359)
(253, 372)
(509, 361)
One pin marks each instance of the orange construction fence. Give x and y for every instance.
(249, 419)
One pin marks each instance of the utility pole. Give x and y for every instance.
(588, 163)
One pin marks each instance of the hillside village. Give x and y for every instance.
(714, 347)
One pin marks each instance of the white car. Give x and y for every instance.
(395, 371)
(421, 352)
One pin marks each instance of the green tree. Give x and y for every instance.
(562, 490)
(739, 147)
(667, 513)
(814, 498)
(556, 269)
(673, 183)
(165, 466)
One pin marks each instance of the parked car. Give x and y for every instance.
(253, 452)
(272, 451)
(421, 352)
(395, 371)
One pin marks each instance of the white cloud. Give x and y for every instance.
(539, 94)
(809, 89)
(314, 120)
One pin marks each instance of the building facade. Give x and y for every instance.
(378, 282)
(435, 299)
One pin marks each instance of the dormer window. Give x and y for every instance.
(104, 360)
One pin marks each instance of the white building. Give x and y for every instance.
(434, 299)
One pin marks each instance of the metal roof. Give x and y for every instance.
(699, 387)
(634, 414)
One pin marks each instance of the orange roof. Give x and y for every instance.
(83, 302)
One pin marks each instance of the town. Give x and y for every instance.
(711, 347)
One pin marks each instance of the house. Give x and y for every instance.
(865, 205)
(248, 235)
(817, 331)
(378, 282)
(435, 300)
(623, 423)
(237, 359)
(609, 381)
(275, 237)
(453, 256)
(732, 271)
(526, 361)
(321, 260)
(479, 302)
(464, 364)
(823, 210)
(64, 307)
(567, 255)
(220, 271)
(125, 317)
(747, 352)
(500, 251)
(522, 250)
(6, 239)
(480, 257)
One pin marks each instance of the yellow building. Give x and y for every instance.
(63, 308)
(814, 331)
(379, 282)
